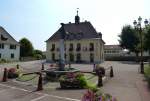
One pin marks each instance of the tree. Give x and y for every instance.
(38, 54)
(26, 48)
(129, 39)
(147, 40)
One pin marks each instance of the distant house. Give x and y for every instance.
(113, 50)
(82, 43)
(9, 47)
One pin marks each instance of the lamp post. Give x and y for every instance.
(138, 27)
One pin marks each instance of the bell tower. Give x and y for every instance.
(77, 18)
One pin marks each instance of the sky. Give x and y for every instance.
(37, 20)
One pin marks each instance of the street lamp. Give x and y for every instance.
(138, 27)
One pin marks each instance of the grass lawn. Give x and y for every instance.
(26, 78)
(147, 73)
(33, 79)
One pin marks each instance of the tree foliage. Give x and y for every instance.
(26, 48)
(129, 39)
(38, 54)
(147, 39)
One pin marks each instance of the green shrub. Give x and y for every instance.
(38, 56)
(3, 61)
(92, 87)
(147, 74)
(82, 81)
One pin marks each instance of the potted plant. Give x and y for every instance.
(72, 80)
(14, 72)
(97, 96)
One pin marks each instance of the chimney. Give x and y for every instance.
(100, 35)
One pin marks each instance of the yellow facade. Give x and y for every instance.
(85, 54)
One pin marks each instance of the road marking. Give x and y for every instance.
(36, 99)
(59, 97)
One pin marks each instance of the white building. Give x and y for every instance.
(9, 47)
(113, 50)
(82, 43)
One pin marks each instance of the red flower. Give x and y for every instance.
(12, 70)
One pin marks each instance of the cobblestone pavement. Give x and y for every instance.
(127, 85)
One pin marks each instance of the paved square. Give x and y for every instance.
(123, 85)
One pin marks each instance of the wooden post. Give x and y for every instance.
(111, 72)
(4, 75)
(100, 80)
(42, 66)
(40, 84)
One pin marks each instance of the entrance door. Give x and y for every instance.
(78, 58)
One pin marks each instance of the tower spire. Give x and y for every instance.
(77, 11)
(77, 18)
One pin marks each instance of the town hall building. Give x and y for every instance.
(82, 43)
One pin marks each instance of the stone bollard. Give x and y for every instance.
(111, 72)
(4, 75)
(42, 66)
(40, 84)
(100, 80)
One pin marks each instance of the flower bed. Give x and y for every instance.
(14, 72)
(97, 96)
(53, 74)
(73, 80)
